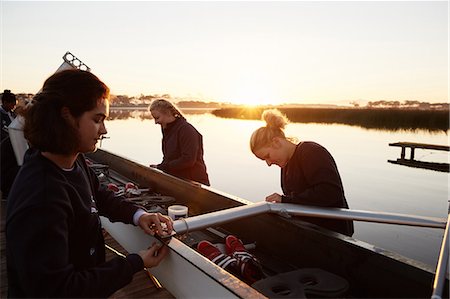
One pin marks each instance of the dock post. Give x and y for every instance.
(402, 155)
(412, 153)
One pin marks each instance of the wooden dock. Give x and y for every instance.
(140, 287)
(411, 162)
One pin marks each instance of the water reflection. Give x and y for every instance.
(122, 113)
(370, 182)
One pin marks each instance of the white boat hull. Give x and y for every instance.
(184, 272)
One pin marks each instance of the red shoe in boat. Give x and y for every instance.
(113, 187)
(213, 253)
(249, 267)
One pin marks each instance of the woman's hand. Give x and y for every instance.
(275, 197)
(153, 223)
(153, 255)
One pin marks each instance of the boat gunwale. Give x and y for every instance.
(221, 276)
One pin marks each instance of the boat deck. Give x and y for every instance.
(140, 287)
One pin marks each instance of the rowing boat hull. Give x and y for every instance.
(182, 271)
(289, 244)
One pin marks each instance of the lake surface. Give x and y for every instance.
(370, 182)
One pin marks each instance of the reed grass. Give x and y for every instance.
(386, 119)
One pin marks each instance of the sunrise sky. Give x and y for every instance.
(243, 52)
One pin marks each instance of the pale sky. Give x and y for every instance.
(250, 51)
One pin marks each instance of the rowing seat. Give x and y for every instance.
(303, 283)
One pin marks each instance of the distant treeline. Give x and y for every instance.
(405, 105)
(389, 119)
(145, 100)
(142, 101)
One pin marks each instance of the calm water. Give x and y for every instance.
(370, 182)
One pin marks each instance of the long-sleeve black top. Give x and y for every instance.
(5, 120)
(55, 246)
(311, 178)
(182, 147)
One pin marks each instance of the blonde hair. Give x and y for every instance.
(166, 107)
(275, 123)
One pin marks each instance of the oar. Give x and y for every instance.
(155, 281)
(441, 269)
(359, 215)
(185, 225)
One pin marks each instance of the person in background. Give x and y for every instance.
(7, 114)
(309, 175)
(182, 144)
(55, 243)
(9, 167)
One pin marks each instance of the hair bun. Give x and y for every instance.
(8, 97)
(274, 119)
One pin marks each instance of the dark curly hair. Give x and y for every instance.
(78, 91)
(8, 97)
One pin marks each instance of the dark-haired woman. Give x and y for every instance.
(8, 162)
(182, 144)
(309, 174)
(9, 102)
(53, 230)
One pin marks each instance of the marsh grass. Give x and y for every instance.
(385, 119)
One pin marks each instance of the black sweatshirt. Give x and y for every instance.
(55, 246)
(182, 147)
(311, 178)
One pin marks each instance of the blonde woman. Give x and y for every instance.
(309, 174)
(182, 144)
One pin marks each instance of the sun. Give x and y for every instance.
(252, 93)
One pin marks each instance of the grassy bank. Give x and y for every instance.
(387, 119)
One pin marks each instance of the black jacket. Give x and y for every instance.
(182, 147)
(311, 178)
(5, 120)
(55, 246)
(8, 166)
